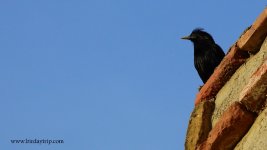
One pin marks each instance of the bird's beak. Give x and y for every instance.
(186, 38)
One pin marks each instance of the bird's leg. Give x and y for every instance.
(199, 88)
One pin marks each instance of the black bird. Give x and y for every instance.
(207, 54)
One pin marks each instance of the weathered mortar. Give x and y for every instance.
(231, 90)
(255, 139)
(199, 125)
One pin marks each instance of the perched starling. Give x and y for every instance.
(207, 54)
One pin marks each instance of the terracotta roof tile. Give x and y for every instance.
(254, 36)
(232, 126)
(254, 94)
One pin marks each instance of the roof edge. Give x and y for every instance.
(249, 42)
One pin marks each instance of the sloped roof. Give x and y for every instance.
(249, 42)
(220, 121)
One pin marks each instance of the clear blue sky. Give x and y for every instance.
(106, 75)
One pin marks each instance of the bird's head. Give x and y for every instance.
(198, 35)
